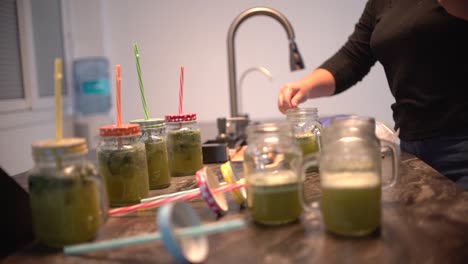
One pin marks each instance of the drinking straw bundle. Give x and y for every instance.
(183, 197)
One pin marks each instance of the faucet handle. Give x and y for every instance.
(295, 58)
(221, 123)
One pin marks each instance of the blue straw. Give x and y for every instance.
(206, 229)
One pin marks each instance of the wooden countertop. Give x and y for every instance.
(425, 220)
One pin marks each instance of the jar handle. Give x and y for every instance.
(309, 160)
(387, 145)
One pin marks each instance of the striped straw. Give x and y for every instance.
(183, 197)
(140, 80)
(181, 89)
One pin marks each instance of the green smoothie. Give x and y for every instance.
(158, 170)
(273, 198)
(351, 206)
(184, 152)
(65, 208)
(126, 175)
(308, 144)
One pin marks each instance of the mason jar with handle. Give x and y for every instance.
(67, 196)
(307, 130)
(351, 176)
(274, 170)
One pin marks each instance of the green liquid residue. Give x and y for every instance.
(274, 203)
(158, 170)
(308, 144)
(65, 208)
(184, 152)
(126, 175)
(351, 211)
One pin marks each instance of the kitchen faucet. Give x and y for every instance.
(295, 58)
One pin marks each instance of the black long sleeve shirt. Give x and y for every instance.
(424, 52)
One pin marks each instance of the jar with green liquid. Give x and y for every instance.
(274, 172)
(184, 145)
(351, 176)
(153, 135)
(67, 196)
(307, 130)
(122, 163)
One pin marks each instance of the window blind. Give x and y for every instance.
(48, 42)
(11, 76)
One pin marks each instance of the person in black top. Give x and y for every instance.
(458, 8)
(423, 48)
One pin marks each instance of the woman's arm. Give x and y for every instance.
(344, 69)
(318, 83)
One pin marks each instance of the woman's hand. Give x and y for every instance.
(458, 8)
(318, 83)
(291, 95)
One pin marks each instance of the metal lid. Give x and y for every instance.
(183, 117)
(149, 123)
(121, 131)
(53, 147)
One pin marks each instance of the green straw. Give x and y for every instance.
(140, 81)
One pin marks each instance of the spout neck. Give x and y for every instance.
(230, 43)
(260, 11)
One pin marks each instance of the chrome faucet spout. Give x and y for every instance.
(296, 61)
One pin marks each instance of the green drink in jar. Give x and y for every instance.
(183, 144)
(350, 204)
(184, 149)
(307, 130)
(274, 198)
(308, 144)
(126, 175)
(154, 136)
(158, 168)
(67, 197)
(122, 163)
(65, 209)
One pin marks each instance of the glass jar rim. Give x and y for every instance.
(301, 113)
(270, 127)
(149, 123)
(65, 147)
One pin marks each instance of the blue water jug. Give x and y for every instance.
(92, 85)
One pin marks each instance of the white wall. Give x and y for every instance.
(194, 33)
(19, 129)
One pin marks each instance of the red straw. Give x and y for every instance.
(181, 89)
(184, 197)
(117, 94)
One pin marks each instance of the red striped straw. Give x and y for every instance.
(181, 89)
(117, 95)
(183, 197)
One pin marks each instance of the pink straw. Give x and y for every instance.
(181, 89)
(117, 95)
(184, 197)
